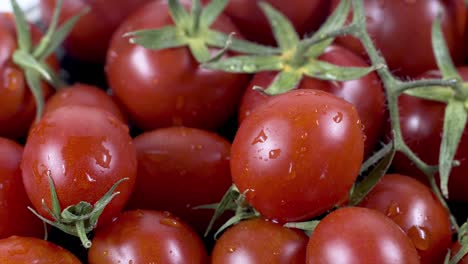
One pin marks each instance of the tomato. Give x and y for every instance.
(20, 250)
(167, 87)
(15, 218)
(90, 37)
(297, 155)
(359, 235)
(454, 250)
(422, 122)
(365, 93)
(259, 241)
(391, 23)
(414, 207)
(86, 151)
(147, 237)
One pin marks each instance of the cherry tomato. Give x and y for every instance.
(179, 168)
(359, 235)
(147, 237)
(90, 36)
(393, 23)
(413, 206)
(21, 250)
(365, 93)
(15, 218)
(167, 87)
(454, 250)
(86, 151)
(297, 155)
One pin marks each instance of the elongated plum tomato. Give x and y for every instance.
(412, 206)
(20, 250)
(297, 155)
(180, 168)
(259, 241)
(15, 218)
(144, 236)
(359, 235)
(86, 151)
(365, 93)
(91, 35)
(167, 87)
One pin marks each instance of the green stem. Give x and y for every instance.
(403, 86)
(81, 231)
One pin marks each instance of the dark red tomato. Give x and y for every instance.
(21, 250)
(90, 37)
(257, 241)
(179, 168)
(412, 206)
(17, 105)
(365, 93)
(142, 236)
(166, 88)
(392, 24)
(15, 218)
(422, 122)
(86, 151)
(297, 155)
(454, 250)
(359, 235)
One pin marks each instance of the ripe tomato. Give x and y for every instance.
(86, 151)
(391, 23)
(21, 250)
(147, 237)
(297, 155)
(15, 218)
(365, 93)
(258, 241)
(167, 87)
(359, 235)
(413, 206)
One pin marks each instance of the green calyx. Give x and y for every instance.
(32, 58)
(192, 29)
(79, 219)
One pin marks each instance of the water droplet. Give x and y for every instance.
(393, 210)
(90, 179)
(231, 249)
(260, 138)
(304, 135)
(170, 222)
(420, 237)
(291, 172)
(303, 149)
(274, 153)
(196, 147)
(338, 117)
(317, 122)
(105, 253)
(275, 253)
(283, 202)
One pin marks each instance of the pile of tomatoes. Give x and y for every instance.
(159, 133)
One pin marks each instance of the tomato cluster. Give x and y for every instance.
(261, 120)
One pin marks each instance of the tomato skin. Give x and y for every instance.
(180, 168)
(86, 151)
(144, 236)
(258, 241)
(365, 93)
(359, 235)
(21, 250)
(413, 207)
(15, 218)
(298, 154)
(167, 87)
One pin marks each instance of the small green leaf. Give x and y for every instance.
(22, 28)
(157, 39)
(434, 93)
(179, 14)
(444, 61)
(199, 50)
(246, 64)
(211, 12)
(308, 226)
(218, 39)
(219, 54)
(454, 125)
(27, 61)
(330, 72)
(34, 83)
(100, 205)
(227, 203)
(447, 256)
(380, 154)
(50, 30)
(196, 14)
(283, 82)
(234, 220)
(282, 28)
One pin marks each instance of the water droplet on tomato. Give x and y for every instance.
(317, 122)
(304, 135)
(260, 138)
(338, 117)
(291, 172)
(274, 153)
(231, 249)
(90, 179)
(105, 253)
(420, 237)
(169, 222)
(393, 210)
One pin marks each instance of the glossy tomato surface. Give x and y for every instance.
(297, 155)
(142, 236)
(413, 206)
(167, 87)
(359, 235)
(259, 241)
(86, 151)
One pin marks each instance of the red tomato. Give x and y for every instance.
(365, 93)
(15, 218)
(454, 250)
(359, 235)
(90, 37)
(147, 237)
(392, 24)
(165, 88)
(413, 206)
(258, 241)
(179, 168)
(297, 155)
(86, 151)
(21, 250)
